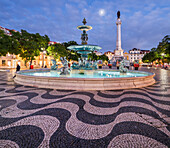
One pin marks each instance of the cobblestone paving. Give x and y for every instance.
(33, 117)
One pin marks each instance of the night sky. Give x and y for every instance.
(144, 22)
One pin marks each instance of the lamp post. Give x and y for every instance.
(44, 52)
(163, 59)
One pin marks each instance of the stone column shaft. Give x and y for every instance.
(118, 41)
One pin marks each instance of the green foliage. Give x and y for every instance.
(57, 51)
(103, 57)
(28, 45)
(42, 41)
(72, 55)
(67, 44)
(150, 57)
(156, 53)
(8, 44)
(25, 44)
(164, 48)
(94, 57)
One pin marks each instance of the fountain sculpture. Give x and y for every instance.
(65, 69)
(53, 67)
(84, 49)
(122, 67)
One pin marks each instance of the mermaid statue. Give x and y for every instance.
(65, 69)
(122, 67)
(53, 67)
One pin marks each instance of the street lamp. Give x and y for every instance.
(163, 59)
(44, 52)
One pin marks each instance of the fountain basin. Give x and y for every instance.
(83, 83)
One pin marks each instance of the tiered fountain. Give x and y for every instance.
(84, 49)
(84, 76)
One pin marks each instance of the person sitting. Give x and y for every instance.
(166, 67)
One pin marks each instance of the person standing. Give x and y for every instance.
(17, 69)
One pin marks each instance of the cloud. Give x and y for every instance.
(144, 23)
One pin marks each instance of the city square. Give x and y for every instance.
(104, 83)
(35, 117)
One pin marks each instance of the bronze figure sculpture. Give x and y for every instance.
(118, 14)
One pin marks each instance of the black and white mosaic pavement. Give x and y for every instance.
(33, 117)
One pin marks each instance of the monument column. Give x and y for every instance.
(118, 41)
(118, 51)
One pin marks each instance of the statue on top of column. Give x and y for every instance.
(118, 14)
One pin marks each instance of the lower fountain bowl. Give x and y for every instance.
(86, 81)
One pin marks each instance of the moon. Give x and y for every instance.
(102, 12)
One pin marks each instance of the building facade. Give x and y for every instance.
(11, 61)
(98, 53)
(109, 54)
(137, 54)
(126, 55)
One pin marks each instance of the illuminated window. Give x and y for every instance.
(3, 62)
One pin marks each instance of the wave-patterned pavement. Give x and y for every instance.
(33, 117)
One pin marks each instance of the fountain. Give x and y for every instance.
(84, 75)
(84, 49)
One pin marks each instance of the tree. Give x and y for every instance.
(166, 39)
(57, 50)
(26, 45)
(72, 55)
(156, 53)
(29, 44)
(164, 48)
(92, 56)
(103, 57)
(42, 41)
(150, 57)
(8, 44)
(67, 44)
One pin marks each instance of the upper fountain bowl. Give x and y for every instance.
(84, 27)
(85, 49)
